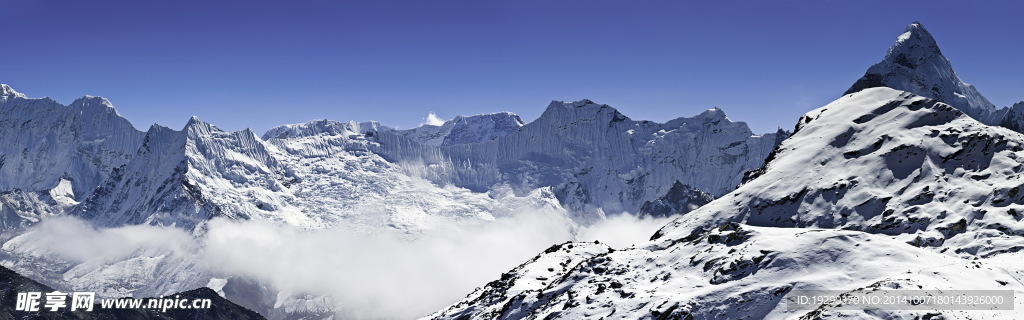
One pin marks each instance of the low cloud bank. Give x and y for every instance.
(74, 240)
(384, 275)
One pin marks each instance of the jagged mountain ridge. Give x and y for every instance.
(364, 176)
(183, 178)
(302, 177)
(466, 129)
(915, 64)
(868, 193)
(598, 161)
(87, 138)
(168, 177)
(186, 177)
(344, 168)
(54, 156)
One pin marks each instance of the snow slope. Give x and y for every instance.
(737, 272)
(894, 163)
(879, 189)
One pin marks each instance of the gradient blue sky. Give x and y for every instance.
(259, 64)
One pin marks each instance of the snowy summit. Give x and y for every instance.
(6, 91)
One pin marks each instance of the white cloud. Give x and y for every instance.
(74, 240)
(623, 230)
(383, 275)
(433, 120)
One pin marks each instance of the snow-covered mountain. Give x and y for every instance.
(592, 157)
(342, 172)
(915, 64)
(466, 129)
(315, 175)
(87, 160)
(1014, 119)
(52, 156)
(881, 189)
(576, 161)
(6, 92)
(910, 180)
(184, 178)
(906, 182)
(595, 159)
(893, 163)
(598, 161)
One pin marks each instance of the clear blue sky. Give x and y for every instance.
(257, 64)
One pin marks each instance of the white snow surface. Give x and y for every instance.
(881, 189)
(737, 272)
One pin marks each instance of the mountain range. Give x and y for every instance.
(580, 160)
(909, 180)
(86, 160)
(903, 183)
